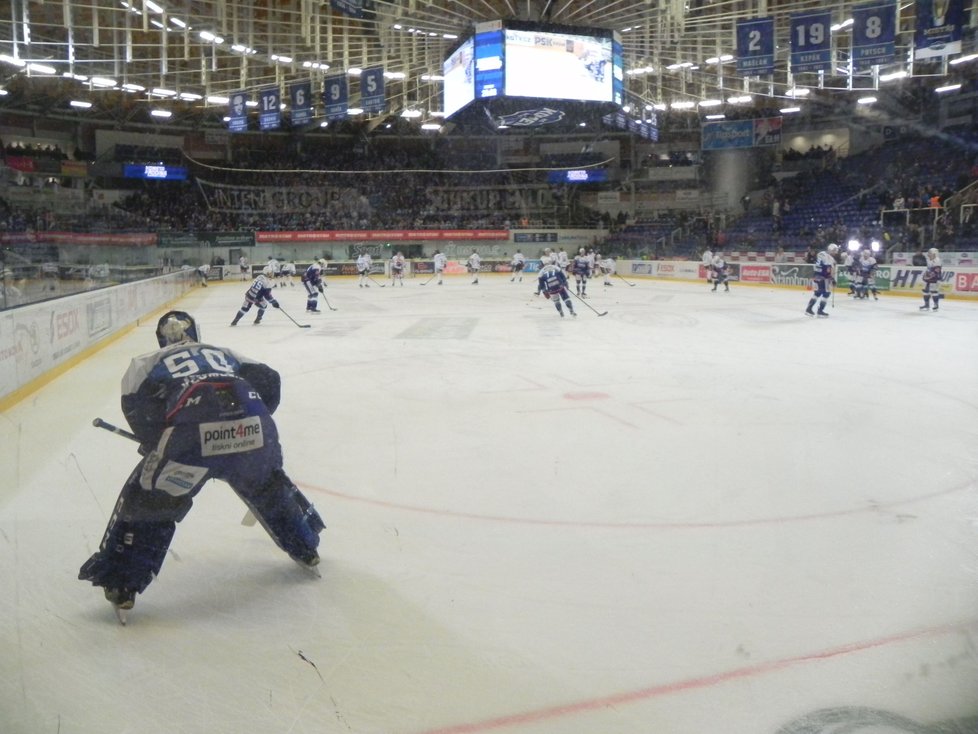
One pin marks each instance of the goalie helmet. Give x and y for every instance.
(175, 327)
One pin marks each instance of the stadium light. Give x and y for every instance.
(8, 59)
(948, 88)
(80, 104)
(866, 100)
(41, 68)
(963, 59)
(789, 110)
(216, 99)
(164, 114)
(853, 245)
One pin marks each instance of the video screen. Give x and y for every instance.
(558, 66)
(489, 64)
(459, 83)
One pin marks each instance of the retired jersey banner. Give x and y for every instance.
(755, 46)
(353, 8)
(939, 28)
(336, 96)
(372, 90)
(300, 95)
(811, 42)
(270, 109)
(238, 112)
(874, 34)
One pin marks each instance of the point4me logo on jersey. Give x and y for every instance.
(531, 118)
(231, 437)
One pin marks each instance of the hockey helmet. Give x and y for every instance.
(175, 327)
(833, 248)
(545, 261)
(321, 262)
(268, 271)
(933, 252)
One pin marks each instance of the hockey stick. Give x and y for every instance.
(630, 285)
(99, 423)
(429, 279)
(371, 279)
(326, 301)
(599, 313)
(248, 520)
(301, 326)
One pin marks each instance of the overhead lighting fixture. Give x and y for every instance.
(161, 92)
(963, 59)
(449, 36)
(798, 92)
(130, 87)
(395, 75)
(948, 88)
(163, 114)
(893, 75)
(711, 103)
(742, 99)
(4, 92)
(150, 5)
(251, 103)
(41, 68)
(324, 123)
(866, 100)
(177, 22)
(282, 59)
(211, 37)
(683, 105)
(354, 71)
(213, 99)
(411, 114)
(8, 59)
(190, 96)
(102, 81)
(720, 116)
(789, 110)
(80, 104)
(432, 78)
(843, 25)
(355, 111)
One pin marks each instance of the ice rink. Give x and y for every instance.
(703, 512)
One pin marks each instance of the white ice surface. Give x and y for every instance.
(701, 512)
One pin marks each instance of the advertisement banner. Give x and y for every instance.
(207, 239)
(384, 235)
(939, 28)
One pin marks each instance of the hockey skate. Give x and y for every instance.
(122, 600)
(309, 563)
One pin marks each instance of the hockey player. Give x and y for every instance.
(273, 270)
(607, 269)
(851, 269)
(314, 283)
(258, 294)
(364, 263)
(581, 268)
(397, 269)
(707, 262)
(932, 280)
(439, 261)
(865, 279)
(199, 412)
(517, 264)
(287, 273)
(203, 270)
(720, 275)
(475, 265)
(823, 279)
(562, 260)
(552, 282)
(245, 268)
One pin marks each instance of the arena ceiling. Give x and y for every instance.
(115, 53)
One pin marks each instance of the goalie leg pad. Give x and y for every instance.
(137, 537)
(286, 514)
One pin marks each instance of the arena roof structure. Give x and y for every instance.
(124, 57)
